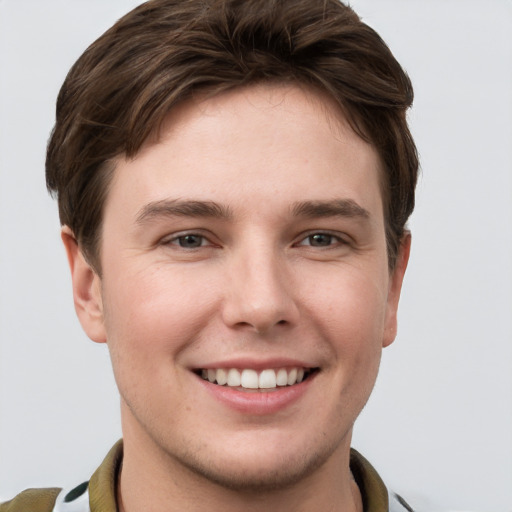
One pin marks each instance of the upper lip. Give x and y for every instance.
(256, 364)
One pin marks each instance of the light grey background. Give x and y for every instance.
(439, 425)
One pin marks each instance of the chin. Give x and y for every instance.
(256, 470)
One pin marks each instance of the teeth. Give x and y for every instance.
(267, 379)
(282, 377)
(292, 377)
(222, 377)
(234, 378)
(250, 379)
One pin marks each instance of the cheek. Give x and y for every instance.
(349, 313)
(350, 305)
(150, 319)
(155, 310)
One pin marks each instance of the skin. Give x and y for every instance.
(267, 281)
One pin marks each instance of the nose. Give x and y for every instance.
(260, 293)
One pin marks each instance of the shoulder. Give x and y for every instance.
(32, 500)
(102, 491)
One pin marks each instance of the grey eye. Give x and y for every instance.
(320, 240)
(190, 241)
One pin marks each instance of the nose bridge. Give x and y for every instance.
(260, 295)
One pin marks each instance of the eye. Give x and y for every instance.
(321, 240)
(189, 241)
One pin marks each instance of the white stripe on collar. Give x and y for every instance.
(78, 504)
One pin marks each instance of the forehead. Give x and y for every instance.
(261, 140)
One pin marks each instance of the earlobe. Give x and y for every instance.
(86, 289)
(395, 288)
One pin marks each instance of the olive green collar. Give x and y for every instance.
(103, 483)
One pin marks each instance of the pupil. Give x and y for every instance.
(190, 241)
(320, 239)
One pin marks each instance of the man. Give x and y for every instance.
(234, 178)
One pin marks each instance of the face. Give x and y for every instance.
(245, 293)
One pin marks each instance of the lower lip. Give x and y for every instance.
(258, 402)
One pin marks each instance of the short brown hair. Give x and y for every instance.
(124, 85)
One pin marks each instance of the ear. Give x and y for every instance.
(395, 287)
(86, 289)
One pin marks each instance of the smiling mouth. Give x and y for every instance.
(248, 379)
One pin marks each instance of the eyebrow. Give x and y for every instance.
(210, 209)
(334, 208)
(183, 208)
